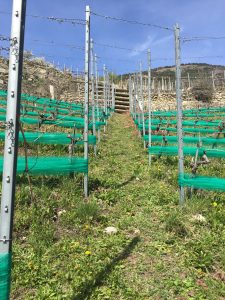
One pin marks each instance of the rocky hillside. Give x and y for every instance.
(39, 77)
(194, 71)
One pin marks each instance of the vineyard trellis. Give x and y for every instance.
(162, 123)
(26, 110)
(43, 111)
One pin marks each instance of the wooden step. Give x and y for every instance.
(122, 99)
(122, 103)
(121, 111)
(121, 107)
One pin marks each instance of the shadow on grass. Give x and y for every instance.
(50, 181)
(95, 183)
(89, 286)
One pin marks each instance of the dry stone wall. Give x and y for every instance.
(39, 76)
(167, 100)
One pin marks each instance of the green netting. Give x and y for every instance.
(3, 93)
(5, 272)
(189, 151)
(198, 112)
(51, 165)
(58, 122)
(202, 182)
(186, 140)
(186, 130)
(49, 105)
(185, 123)
(57, 138)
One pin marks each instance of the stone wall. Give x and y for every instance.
(39, 75)
(167, 100)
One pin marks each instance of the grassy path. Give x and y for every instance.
(159, 251)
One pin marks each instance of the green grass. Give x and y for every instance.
(159, 252)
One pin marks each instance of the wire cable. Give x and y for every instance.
(115, 47)
(60, 20)
(131, 21)
(201, 38)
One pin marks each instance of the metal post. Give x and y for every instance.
(104, 92)
(93, 95)
(97, 96)
(107, 91)
(130, 95)
(149, 106)
(11, 145)
(138, 102)
(135, 96)
(179, 110)
(213, 81)
(189, 81)
(113, 97)
(159, 86)
(86, 105)
(162, 83)
(143, 104)
(153, 84)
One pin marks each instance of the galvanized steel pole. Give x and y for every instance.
(143, 104)
(113, 96)
(11, 144)
(104, 92)
(86, 103)
(97, 96)
(130, 95)
(149, 106)
(93, 94)
(179, 111)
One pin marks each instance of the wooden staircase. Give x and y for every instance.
(121, 101)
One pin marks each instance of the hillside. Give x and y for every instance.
(194, 70)
(39, 74)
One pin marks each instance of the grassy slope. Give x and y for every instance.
(159, 252)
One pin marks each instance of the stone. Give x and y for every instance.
(4, 71)
(110, 230)
(198, 218)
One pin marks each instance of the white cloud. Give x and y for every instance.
(150, 42)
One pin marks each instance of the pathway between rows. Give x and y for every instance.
(144, 263)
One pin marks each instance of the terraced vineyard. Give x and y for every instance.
(159, 251)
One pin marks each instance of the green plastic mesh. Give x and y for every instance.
(51, 165)
(3, 93)
(195, 113)
(52, 138)
(189, 151)
(185, 130)
(5, 272)
(185, 123)
(187, 140)
(202, 182)
(31, 105)
(59, 122)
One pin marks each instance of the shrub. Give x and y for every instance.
(203, 90)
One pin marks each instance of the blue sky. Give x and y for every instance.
(196, 18)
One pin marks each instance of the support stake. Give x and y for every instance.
(11, 145)
(179, 111)
(86, 103)
(149, 106)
